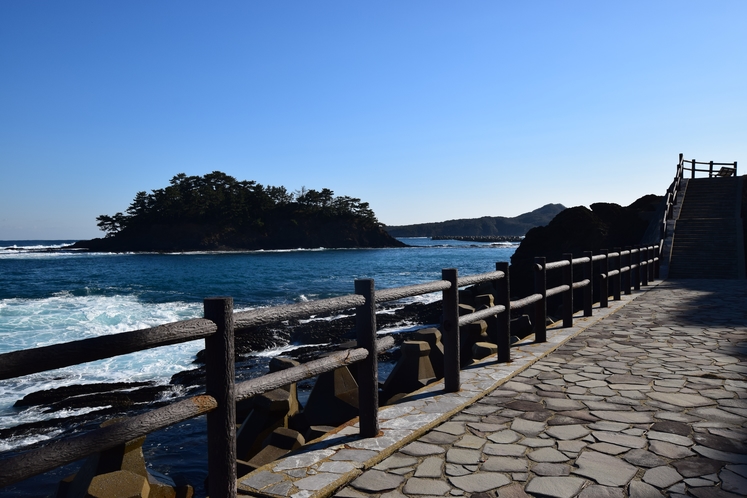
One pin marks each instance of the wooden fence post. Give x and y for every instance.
(651, 266)
(220, 384)
(368, 369)
(589, 289)
(637, 271)
(540, 307)
(604, 289)
(568, 295)
(626, 276)
(710, 170)
(503, 320)
(644, 266)
(450, 326)
(616, 280)
(692, 171)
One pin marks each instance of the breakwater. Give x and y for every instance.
(480, 238)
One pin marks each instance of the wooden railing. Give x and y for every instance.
(724, 170)
(220, 322)
(613, 273)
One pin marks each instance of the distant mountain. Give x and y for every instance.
(485, 226)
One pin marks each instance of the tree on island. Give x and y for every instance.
(218, 212)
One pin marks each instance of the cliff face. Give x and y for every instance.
(579, 229)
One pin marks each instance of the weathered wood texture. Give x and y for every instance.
(626, 255)
(603, 281)
(28, 361)
(266, 316)
(385, 295)
(480, 278)
(450, 330)
(368, 368)
(503, 321)
(481, 315)
(568, 294)
(588, 289)
(274, 380)
(540, 307)
(526, 301)
(62, 452)
(220, 384)
(616, 276)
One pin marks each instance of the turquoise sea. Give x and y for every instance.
(51, 296)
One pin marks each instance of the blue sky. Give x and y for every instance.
(428, 110)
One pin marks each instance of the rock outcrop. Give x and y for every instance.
(579, 229)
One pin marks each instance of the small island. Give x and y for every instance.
(216, 212)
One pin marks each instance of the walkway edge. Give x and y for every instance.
(321, 468)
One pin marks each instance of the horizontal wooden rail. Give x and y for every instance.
(525, 301)
(557, 290)
(267, 316)
(29, 361)
(384, 295)
(557, 264)
(481, 315)
(338, 359)
(55, 454)
(62, 452)
(581, 284)
(480, 278)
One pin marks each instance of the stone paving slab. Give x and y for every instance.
(405, 427)
(665, 415)
(648, 402)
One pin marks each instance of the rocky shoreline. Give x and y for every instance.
(313, 339)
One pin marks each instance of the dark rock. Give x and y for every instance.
(50, 396)
(580, 229)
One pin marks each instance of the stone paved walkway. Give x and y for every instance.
(649, 402)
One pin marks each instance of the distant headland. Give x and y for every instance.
(487, 226)
(216, 212)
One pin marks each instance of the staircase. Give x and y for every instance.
(708, 241)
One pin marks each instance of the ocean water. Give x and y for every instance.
(49, 297)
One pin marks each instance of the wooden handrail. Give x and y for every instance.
(639, 267)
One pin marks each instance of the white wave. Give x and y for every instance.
(37, 414)
(16, 442)
(29, 323)
(36, 244)
(280, 350)
(404, 327)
